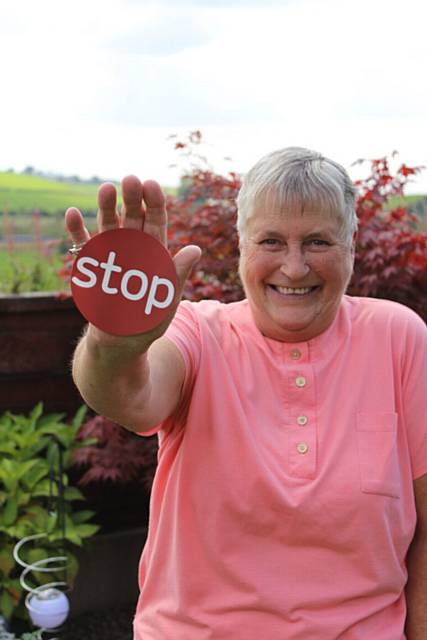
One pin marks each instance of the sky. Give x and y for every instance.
(97, 87)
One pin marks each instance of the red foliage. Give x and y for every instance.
(391, 253)
(118, 455)
(205, 214)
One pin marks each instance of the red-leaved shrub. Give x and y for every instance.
(118, 456)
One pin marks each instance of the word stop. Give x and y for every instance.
(144, 287)
(124, 282)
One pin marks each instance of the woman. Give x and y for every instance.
(292, 476)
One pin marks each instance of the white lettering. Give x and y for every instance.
(160, 304)
(109, 267)
(134, 273)
(80, 265)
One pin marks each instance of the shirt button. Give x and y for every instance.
(300, 381)
(302, 447)
(302, 420)
(295, 354)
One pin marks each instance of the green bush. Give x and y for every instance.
(24, 271)
(28, 454)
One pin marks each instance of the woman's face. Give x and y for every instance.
(295, 268)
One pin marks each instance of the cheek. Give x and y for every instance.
(256, 268)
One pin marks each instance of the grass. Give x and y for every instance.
(51, 226)
(26, 269)
(22, 193)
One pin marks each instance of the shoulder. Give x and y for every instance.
(385, 315)
(214, 316)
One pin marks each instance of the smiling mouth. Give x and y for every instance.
(294, 291)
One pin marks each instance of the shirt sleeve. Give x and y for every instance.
(184, 332)
(414, 392)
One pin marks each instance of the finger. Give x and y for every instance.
(107, 216)
(185, 260)
(74, 224)
(133, 209)
(156, 218)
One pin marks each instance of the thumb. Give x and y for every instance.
(184, 261)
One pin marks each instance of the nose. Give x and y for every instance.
(294, 265)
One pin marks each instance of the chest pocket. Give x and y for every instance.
(377, 449)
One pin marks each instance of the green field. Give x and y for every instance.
(21, 193)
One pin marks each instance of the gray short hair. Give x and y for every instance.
(295, 177)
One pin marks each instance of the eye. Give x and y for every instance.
(318, 242)
(270, 242)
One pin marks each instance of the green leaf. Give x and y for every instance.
(36, 554)
(51, 522)
(19, 530)
(86, 530)
(78, 419)
(7, 562)
(7, 604)
(16, 469)
(37, 472)
(71, 536)
(36, 413)
(82, 516)
(72, 493)
(33, 556)
(7, 447)
(23, 498)
(44, 489)
(71, 533)
(50, 420)
(10, 512)
(72, 568)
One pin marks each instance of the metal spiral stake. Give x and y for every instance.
(47, 605)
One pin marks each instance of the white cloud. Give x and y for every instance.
(95, 87)
(162, 31)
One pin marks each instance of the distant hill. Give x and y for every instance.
(22, 193)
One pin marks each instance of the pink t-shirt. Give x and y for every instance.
(283, 507)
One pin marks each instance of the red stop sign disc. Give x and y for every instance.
(124, 282)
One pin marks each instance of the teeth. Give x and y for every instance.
(298, 291)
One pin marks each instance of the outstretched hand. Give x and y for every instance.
(143, 208)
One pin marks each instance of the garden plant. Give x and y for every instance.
(28, 498)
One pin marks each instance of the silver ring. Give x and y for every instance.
(76, 248)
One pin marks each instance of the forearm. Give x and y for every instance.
(113, 379)
(416, 589)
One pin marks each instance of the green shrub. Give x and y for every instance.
(28, 453)
(24, 271)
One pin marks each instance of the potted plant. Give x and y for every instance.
(29, 455)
